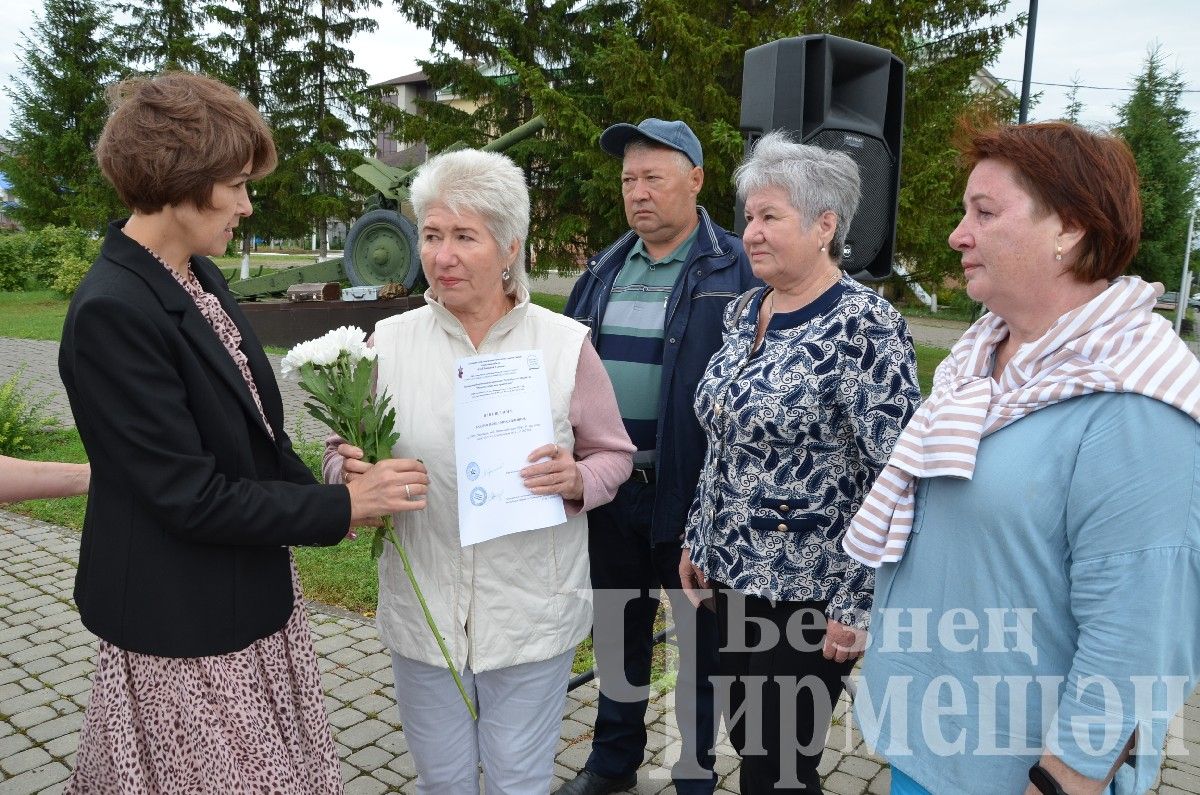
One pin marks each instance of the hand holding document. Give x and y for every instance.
(501, 414)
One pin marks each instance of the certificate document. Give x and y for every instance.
(501, 414)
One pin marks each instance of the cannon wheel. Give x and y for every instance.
(381, 248)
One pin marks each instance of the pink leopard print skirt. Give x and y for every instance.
(248, 722)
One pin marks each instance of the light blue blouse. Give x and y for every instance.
(1054, 598)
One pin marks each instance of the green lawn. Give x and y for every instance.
(34, 315)
(928, 358)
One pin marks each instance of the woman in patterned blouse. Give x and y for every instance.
(802, 403)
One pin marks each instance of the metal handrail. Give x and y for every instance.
(587, 676)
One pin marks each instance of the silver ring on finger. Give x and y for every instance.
(407, 493)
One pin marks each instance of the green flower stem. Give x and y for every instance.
(390, 533)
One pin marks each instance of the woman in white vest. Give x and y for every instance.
(513, 608)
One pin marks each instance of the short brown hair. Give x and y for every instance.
(169, 138)
(1090, 180)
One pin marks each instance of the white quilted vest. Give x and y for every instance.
(515, 599)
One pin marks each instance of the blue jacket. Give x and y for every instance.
(716, 271)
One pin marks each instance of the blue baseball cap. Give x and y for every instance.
(672, 134)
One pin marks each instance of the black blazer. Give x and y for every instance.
(192, 505)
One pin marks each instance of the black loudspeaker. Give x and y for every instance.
(836, 94)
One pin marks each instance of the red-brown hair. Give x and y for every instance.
(1090, 180)
(170, 138)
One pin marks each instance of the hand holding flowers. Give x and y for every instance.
(336, 370)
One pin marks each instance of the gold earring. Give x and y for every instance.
(1058, 252)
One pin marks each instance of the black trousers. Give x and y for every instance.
(627, 572)
(781, 689)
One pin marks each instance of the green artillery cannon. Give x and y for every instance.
(382, 245)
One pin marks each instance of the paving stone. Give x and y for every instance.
(859, 768)
(376, 705)
(36, 653)
(10, 675)
(13, 744)
(363, 733)
(73, 686)
(389, 777)
(403, 764)
(1177, 778)
(365, 785)
(393, 742)
(24, 760)
(573, 729)
(53, 729)
(345, 656)
(355, 688)
(829, 760)
(369, 758)
(13, 646)
(37, 780)
(345, 717)
(63, 746)
(19, 631)
(327, 645)
(372, 662)
(78, 653)
(62, 673)
(11, 690)
(841, 784)
(67, 620)
(21, 703)
(42, 665)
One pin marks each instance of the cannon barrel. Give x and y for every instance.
(392, 182)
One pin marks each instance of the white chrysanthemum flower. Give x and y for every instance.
(325, 351)
(297, 357)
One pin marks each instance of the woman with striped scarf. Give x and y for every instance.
(1036, 532)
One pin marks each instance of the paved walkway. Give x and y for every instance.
(46, 663)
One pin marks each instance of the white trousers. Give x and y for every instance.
(520, 717)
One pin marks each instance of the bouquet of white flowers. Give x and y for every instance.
(336, 370)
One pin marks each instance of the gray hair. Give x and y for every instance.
(643, 144)
(487, 183)
(815, 180)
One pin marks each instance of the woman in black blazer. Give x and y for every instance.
(206, 679)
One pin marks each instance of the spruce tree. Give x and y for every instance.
(59, 110)
(164, 34)
(1074, 105)
(320, 119)
(249, 40)
(1167, 151)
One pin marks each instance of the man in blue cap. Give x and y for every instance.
(654, 301)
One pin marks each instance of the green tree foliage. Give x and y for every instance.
(164, 34)
(945, 45)
(506, 51)
(1166, 150)
(1074, 104)
(319, 119)
(252, 35)
(58, 113)
(586, 66)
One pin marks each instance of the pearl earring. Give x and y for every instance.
(1058, 252)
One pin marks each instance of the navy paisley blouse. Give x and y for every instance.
(797, 432)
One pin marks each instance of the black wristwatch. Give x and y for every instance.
(1045, 782)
